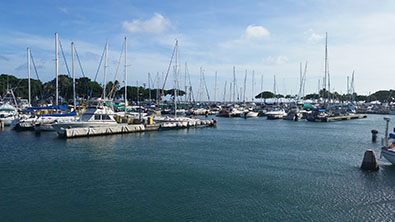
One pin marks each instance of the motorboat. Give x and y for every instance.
(276, 113)
(8, 113)
(95, 115)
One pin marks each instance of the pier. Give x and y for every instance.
(130, 128)
(345, 117)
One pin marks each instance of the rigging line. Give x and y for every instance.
(116, 72)
(64, 59)
(34, 65)
(167, 73)
(101, 59)
(82, 71)
(205, 85)
(190, 84)
(35, 70)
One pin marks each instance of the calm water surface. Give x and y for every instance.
(254, 169)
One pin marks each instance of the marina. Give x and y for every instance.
(148, 110)
(159, 174)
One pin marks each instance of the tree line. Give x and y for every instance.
(85, 89)
(383, 96)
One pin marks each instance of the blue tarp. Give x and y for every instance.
(61, 114)
(61, 107)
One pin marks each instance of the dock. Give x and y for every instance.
(130, 128)
(344, 117)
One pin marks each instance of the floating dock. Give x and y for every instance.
(345, 117)
(337, 118)
(130, 128)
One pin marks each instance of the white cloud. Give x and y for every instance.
(64, 10)
(256, 32)
(157, 24)
(314, 37)
(277, 60)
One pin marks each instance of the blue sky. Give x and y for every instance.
(269, 37)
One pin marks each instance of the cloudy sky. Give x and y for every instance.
(267, 37)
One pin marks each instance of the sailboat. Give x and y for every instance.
(250, 112)
(45, 122)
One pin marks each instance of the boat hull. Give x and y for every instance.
(388, 154)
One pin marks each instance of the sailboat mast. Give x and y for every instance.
(28, 75)
(215, 88)
(175, 81)
(261, 88)
(234, 84)
(105, 71)
(225, 91)
(245, 86)
(253, 84)
(149, 88)
(185, 83)
(73, 73)
(57, 68)
(326, 66)
(126, 74)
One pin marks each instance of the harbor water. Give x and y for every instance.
(241, 170)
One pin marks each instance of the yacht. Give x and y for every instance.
(96, 115)
(276, 113)
(8, 113)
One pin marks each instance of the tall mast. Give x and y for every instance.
(201, 85)
(326, 67)
(158, 86)
(126, 74)
(230, 92)
(73, 72)
(348, 87)
(274, 85)
(215, 88)
(352, 86)
(225, 91)
(253, 82)
(261, 88)
(28, 75)
(304, 80)
(185, 83)
(57, 69)
(234, 84)
(245, 86)
(175, 81)
(149, 88)
(105, 71)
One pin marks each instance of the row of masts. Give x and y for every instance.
(234, 94)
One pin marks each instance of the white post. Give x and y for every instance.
(57, 69)
(73, 73)
(28, 75)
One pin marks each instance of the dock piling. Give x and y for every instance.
(374, 135)
(370, 161)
